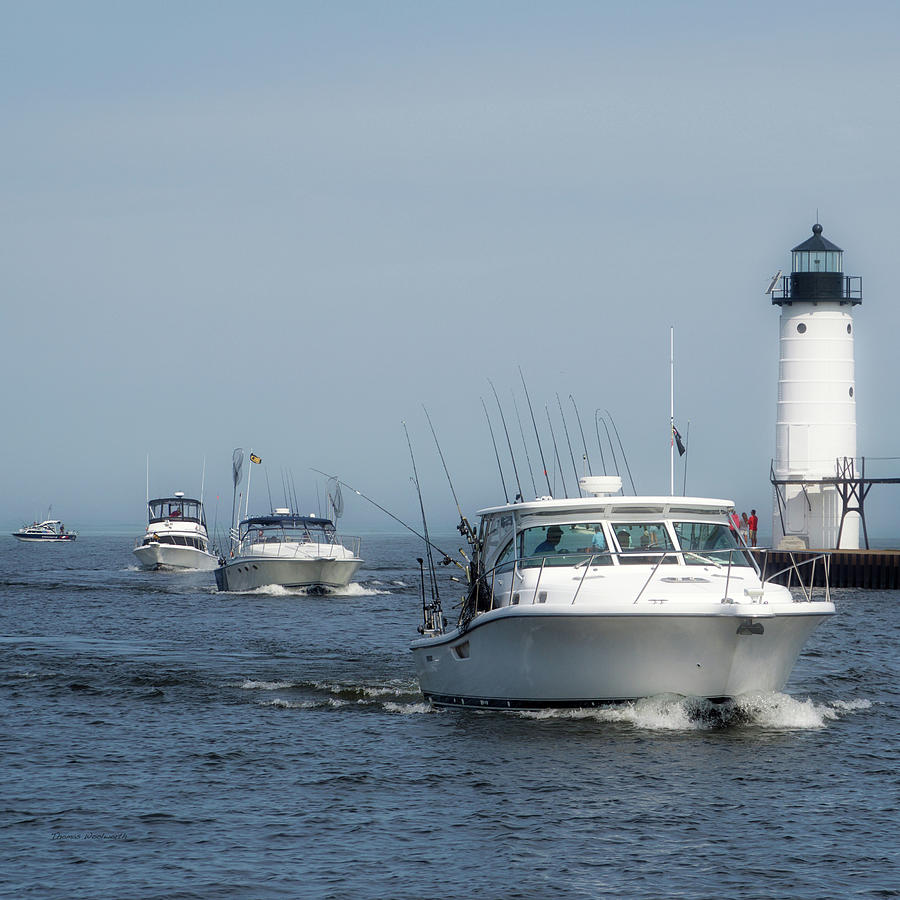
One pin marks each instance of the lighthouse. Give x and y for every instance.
(815, 430)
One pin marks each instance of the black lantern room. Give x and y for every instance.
(817, 274)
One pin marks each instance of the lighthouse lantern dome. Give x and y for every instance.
(817, 275)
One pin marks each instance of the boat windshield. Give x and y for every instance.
(706, 543)
(174, 508)
(290, 530)
(562, 545)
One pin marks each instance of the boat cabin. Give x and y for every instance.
(610, 531)
(283, 527)
(176, 509)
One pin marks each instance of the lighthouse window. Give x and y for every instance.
(801, 328)
(851, 392)
(849, 329)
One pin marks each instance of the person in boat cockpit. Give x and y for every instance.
(554, 536)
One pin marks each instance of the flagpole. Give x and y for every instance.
(672, 410)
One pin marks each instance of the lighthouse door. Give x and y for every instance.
(797, 508)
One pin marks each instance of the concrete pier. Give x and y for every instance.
(875, 569)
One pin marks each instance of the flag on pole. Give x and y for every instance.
(675, 436)
(255, 459)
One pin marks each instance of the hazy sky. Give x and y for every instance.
(289, 225)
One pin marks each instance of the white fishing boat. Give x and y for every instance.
(48, 531)
(603, 598)
(176, 536)
(285, 549)
(291, 551)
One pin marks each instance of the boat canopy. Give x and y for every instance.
(175, 508)
(287, 522)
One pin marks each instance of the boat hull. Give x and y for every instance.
(538, 658)
(249, 573)
(172, 556)
(45, 539)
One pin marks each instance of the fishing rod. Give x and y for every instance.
(624, 457)
(600, 443)
(269, 492)
(464, 528)
(519, 496)
(434, 588)
(447, 559)
(583, 441)
(556, 451)
(524, 444)
(562, 415)
(537, 437)
(496, 453)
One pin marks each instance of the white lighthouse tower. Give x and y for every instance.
(815, 431)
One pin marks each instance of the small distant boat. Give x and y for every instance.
(48, 531)
(176, 536)
(290, 551)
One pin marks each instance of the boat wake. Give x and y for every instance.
(354, 589)
(667, 712)
(401, 697)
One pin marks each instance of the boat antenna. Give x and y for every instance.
(496, 452)
(600, 443)
(537, 437)
(269, 492)
(519, 496)
(562, 415)
(624, 457)
(672, 410)
(148, 479)
(464, 528)
(447, 559)
(583, 441)
(525, 445)
(687, 444)
(556, 451)
(202, 481)
(415, 479)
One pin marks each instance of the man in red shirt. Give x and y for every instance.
(753, 523)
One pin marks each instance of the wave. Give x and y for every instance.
(668, 712)
(395, 696)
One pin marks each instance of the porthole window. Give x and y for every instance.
(851, 392)
(801, 328)
(849, 329)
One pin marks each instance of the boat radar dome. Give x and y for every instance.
(179, 494)
(600, 485)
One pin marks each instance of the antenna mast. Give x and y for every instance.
(672, 411)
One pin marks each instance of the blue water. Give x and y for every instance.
(162, 740)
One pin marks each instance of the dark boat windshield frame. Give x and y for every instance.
(176, 509)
